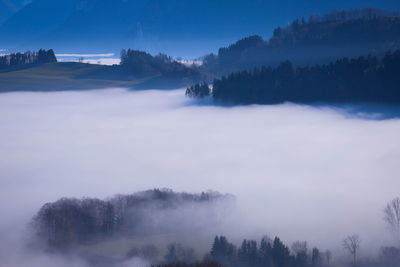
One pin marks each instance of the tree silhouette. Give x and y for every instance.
(352, 245)
(316, 259)
(392, 217)
(223, 251)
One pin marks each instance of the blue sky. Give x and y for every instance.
(176, 27)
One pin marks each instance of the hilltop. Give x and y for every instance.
(318, 40)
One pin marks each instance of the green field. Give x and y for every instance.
(78, 76)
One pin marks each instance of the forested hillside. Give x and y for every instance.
(318, 40)
(142, 64)
(71, 222)
(365, 79)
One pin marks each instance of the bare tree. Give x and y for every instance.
(352, 244)
(392, 216)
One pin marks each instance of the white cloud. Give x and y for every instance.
(189, 63)
(2, 52)
(299, 172)
(86, 55)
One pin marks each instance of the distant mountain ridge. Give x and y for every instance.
(175, 27)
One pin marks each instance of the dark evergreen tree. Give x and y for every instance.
(247, 253)
(316, 259)
(281, 254)
(46, 56)
(265, 253)
(223, 251)
(199, 90)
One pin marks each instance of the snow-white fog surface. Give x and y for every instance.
(300, 172)
(101, 59)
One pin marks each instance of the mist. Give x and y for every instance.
(315, 173)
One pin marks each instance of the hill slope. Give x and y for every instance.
(82, 76)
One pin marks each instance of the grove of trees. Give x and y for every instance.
(143, 64)
(268, 253)
(364, 79)
(70, 222)
(20, 59)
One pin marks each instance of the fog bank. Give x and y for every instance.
(300, 172)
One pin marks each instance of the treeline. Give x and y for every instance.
(20, 59)
(365, 79)
(70, 222)
(268, 253)
(355, 25)
(354, 13)
(205, 263)
(318, 40)
(143, 64)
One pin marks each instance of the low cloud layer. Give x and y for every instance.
(300, 172)
(102, 59)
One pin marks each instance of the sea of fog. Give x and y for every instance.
(300, 172)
